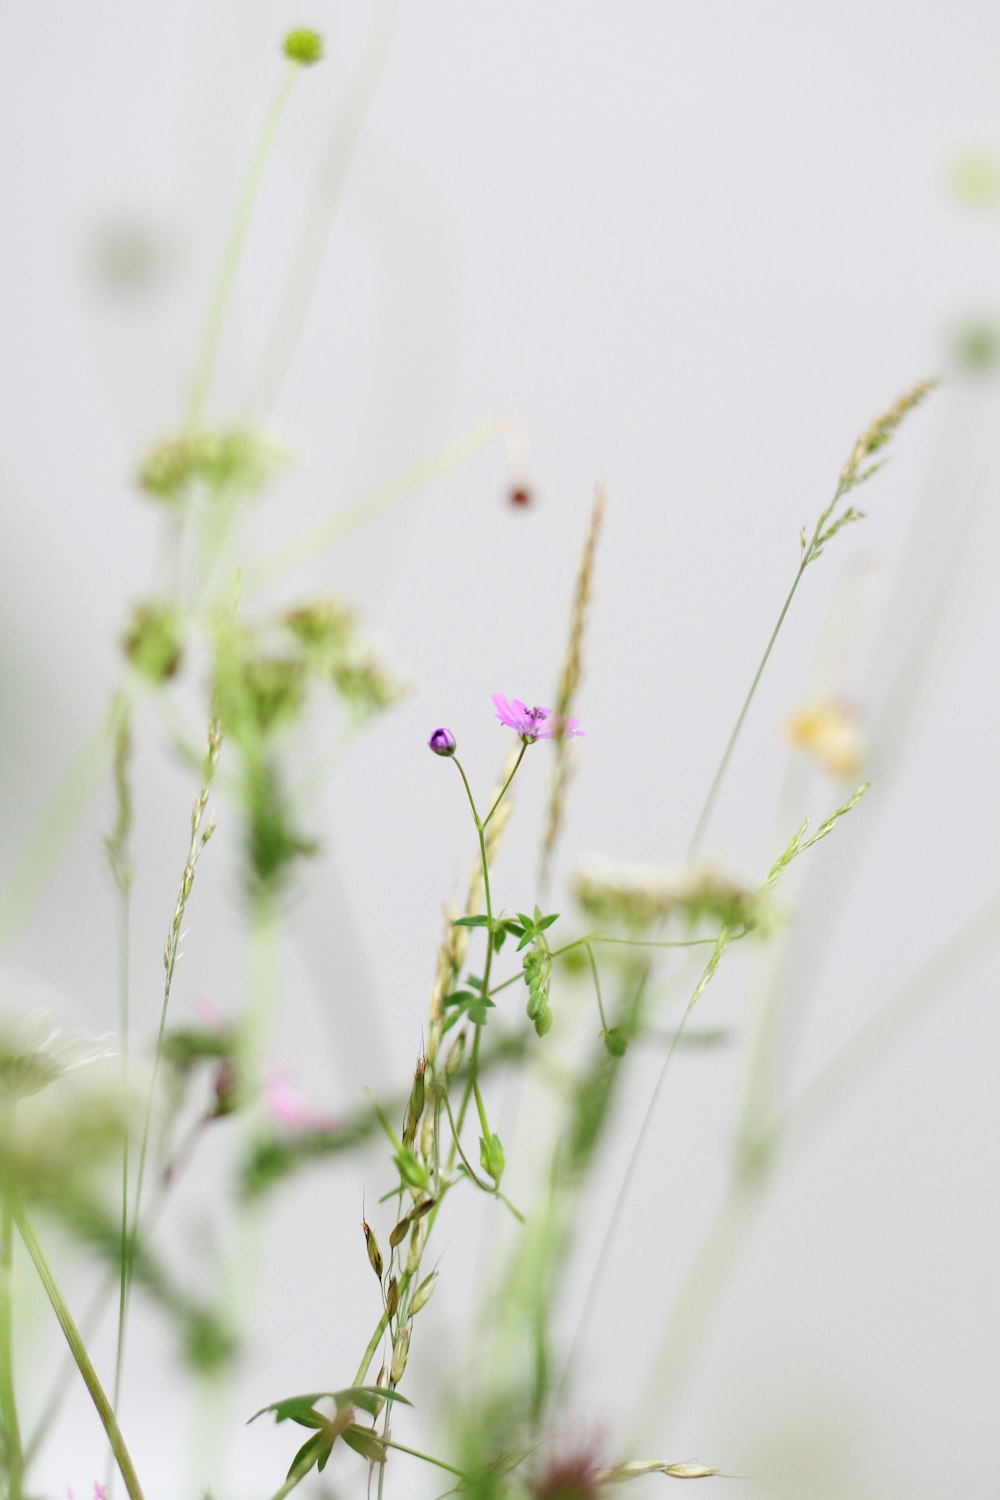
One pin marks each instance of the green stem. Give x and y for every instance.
(615, 1216)
(503, 790)
(713, 791)
(438, 1463)
(480, 829)
(80, 1355)
(13, 1449)
(597, 985)
(214, 318)
(369, 1353)
(123, 968)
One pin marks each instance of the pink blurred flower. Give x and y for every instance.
(289, 1111)
(533, 723)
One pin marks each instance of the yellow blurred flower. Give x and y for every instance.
(831, 734)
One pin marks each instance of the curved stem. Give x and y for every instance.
(212, 331)
(80, 1355)
(717, 779)
(503, 790)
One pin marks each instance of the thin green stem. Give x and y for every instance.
(80, 1355)
(717, 780)
(123, 1024)
(503, 790)
(597, 985)
(310, 255)
(13, 1448)
(438, 1463)
(215, 316)
(378, 502)
(480, 829)
(614, 1217)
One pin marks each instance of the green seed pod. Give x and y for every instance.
(415, 1107)
(392, 1297)
(381, 1382)
(374, 1253)
(399, 1232)
(412, 1171)
(543, 1021)
(615, 1041)
(492, 1157)
(417, 1241)
(303, 46)
(400, 1351)
(424, 1292)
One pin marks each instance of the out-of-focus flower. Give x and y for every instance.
(570, 1476)
(637, 895)
(831, 734)
(34, 1053)
(289, 1111)
(533, 723)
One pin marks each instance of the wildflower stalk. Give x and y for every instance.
(323, 202)
(199, 838)
(853, 474)
(80, 1355)
(215, 317)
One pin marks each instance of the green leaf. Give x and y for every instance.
(316, 1449)
(499, 938)
(458, 997)
(529, 937)
(547, 921)
(293, 1407)
(471, 922)
(476, 1012)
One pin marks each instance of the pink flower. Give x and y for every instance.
(533, 723)
(100, 1493)
(289, 1110)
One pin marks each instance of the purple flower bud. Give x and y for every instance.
(442, 742)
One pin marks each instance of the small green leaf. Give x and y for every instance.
(316, 1449)
(499, 938)
(458, 997)
(471, 922)
(547, 921)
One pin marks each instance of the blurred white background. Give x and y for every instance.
(693, 250)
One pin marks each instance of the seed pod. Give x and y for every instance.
(399, 1232)
(491, 1156)
(382, 1382)
(374, 1253)
(615, 1041)
(427, 1136)
(421, 1209)
(417, 1241)
(454, 1059)
(415, 1108)
(690, 1471)
(543, 1021)
(392, 1298)
(400, 1351)
(424, 1292)
(413, 1173)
